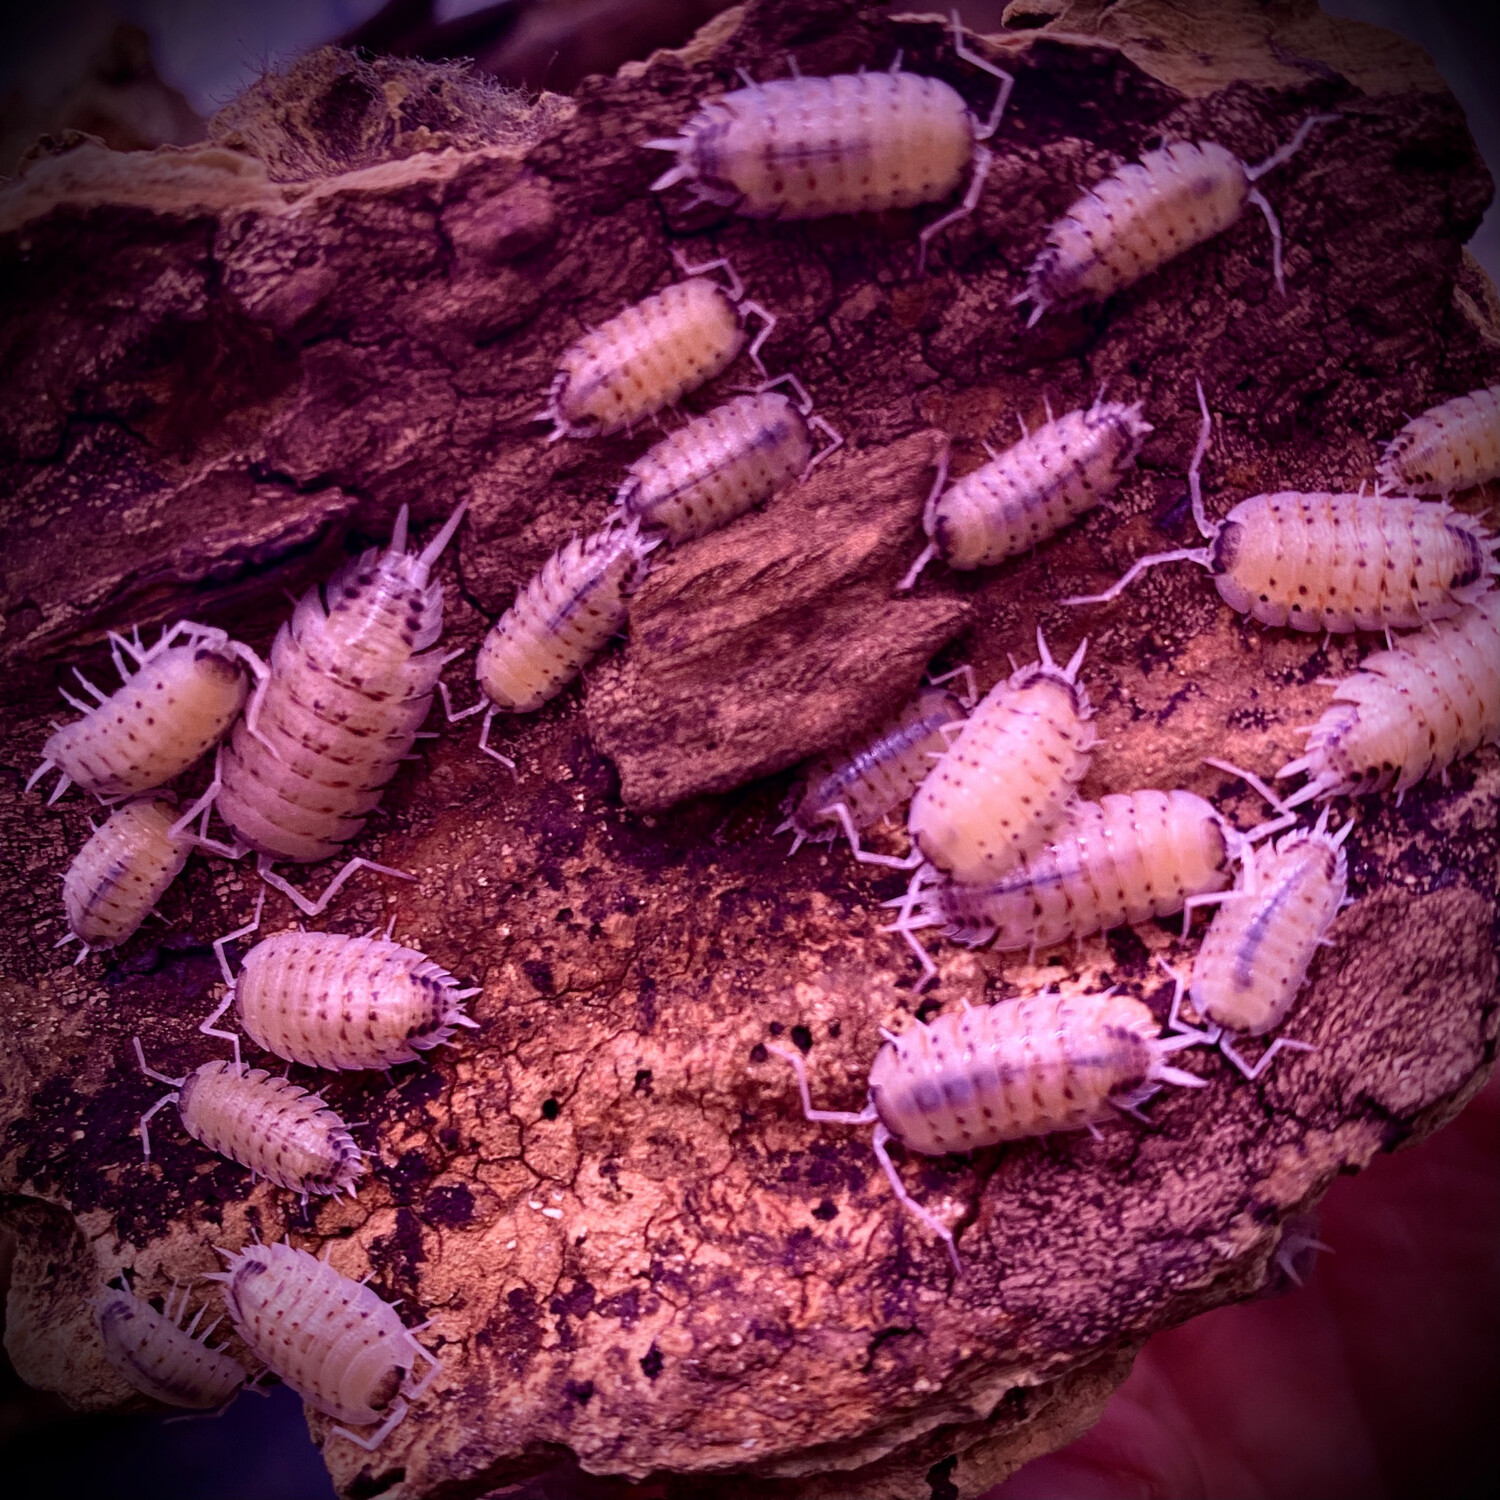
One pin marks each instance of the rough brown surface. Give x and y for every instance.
(637, 1257)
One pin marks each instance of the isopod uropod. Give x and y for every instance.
(726, 462)
(1149, 212)
(1408, 712)
(1010, 771)
(271, 1125)
(161, 1358)
(1032, 490)
(173, 708)
(342, 1348)
(1334, 562)
(116, 879)
(652, 354)
(338, 1002)
(1451, 447)
(349, 686)
(854, 787)
(557, 624)
(805, 148)
(978, 1076)
(1257, 950)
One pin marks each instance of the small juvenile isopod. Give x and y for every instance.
(1409, 712)
(271, 1125)
(805, 148)
(978, 1076)
(339, 1002)
(652, 354)
(174, 707)
(856, 786)
(1257, 950)
(161, 1358)
(1451, 447)
(724, 463)
(1032, 490)
(1149, 212)
(1332, 562)
(117, 878)
(343, 1349)
(556, 626)
(349, 686)
(1011, 769)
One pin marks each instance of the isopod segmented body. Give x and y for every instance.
(350, 684)
(161, 1358)
(805, 148)
(1032, 490)
(1024, 1067)
(1334, 562)
(1451, 447)
(652, 354)
(174, 707)
(271, 1125)
(1149, 212)
(856, 786)
(1257, 950)
(1007, 776)
(342, 1348)
(724, 463)
(116, 879)
(338, 1002)
(1409, 712)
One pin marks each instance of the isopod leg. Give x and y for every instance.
(381, 1433)
(913, 573)
(1259, 199)
(971, 696)
(1007, 82)
(836, 442)
(984, 159)
(827, 1116)
(1199, 555)
(484, 739)
(770, 320)
(208, 1029)
(840, 810)
(1281, 1044)
(316, 908)
(203, 803)
(161, 1103)
(910, 1204)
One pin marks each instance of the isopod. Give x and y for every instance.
(805, 148)
(1032, 490)
(1258, 948)
(726, 462)
(1333, 562)
(343, 1349)
(339, 1002)
(175, 706)
(349, 686)
(1010, 771)
(652, 354)
(161, 1358)
(1451, 447)
(116, 879)
(1023, 1067)
(856, 786)
(1408, 712)
(1149, 212)
(556, 626)
(271, 1125)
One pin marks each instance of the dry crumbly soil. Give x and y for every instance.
(225, 371)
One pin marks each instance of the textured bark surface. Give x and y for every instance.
(224, 373)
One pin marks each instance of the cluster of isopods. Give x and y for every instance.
(1003, 849)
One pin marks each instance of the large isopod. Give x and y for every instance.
(1333, 562)
(1408, 712)
(351, 681)
(1024, 1067)
(726, 462)
(805, 148)
(1149, 212)
(343, 1349)
(1032, 490)
(1450, 447)
(161, 1358)
(173, 707)
(271, 1125)
(334, 1001)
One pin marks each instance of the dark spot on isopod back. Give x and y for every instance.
(652, 1362)
(803, 1038)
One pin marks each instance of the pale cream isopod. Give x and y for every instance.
(161, 1358)
(1450, 447)
(1024, 1067)
(343, 1349)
